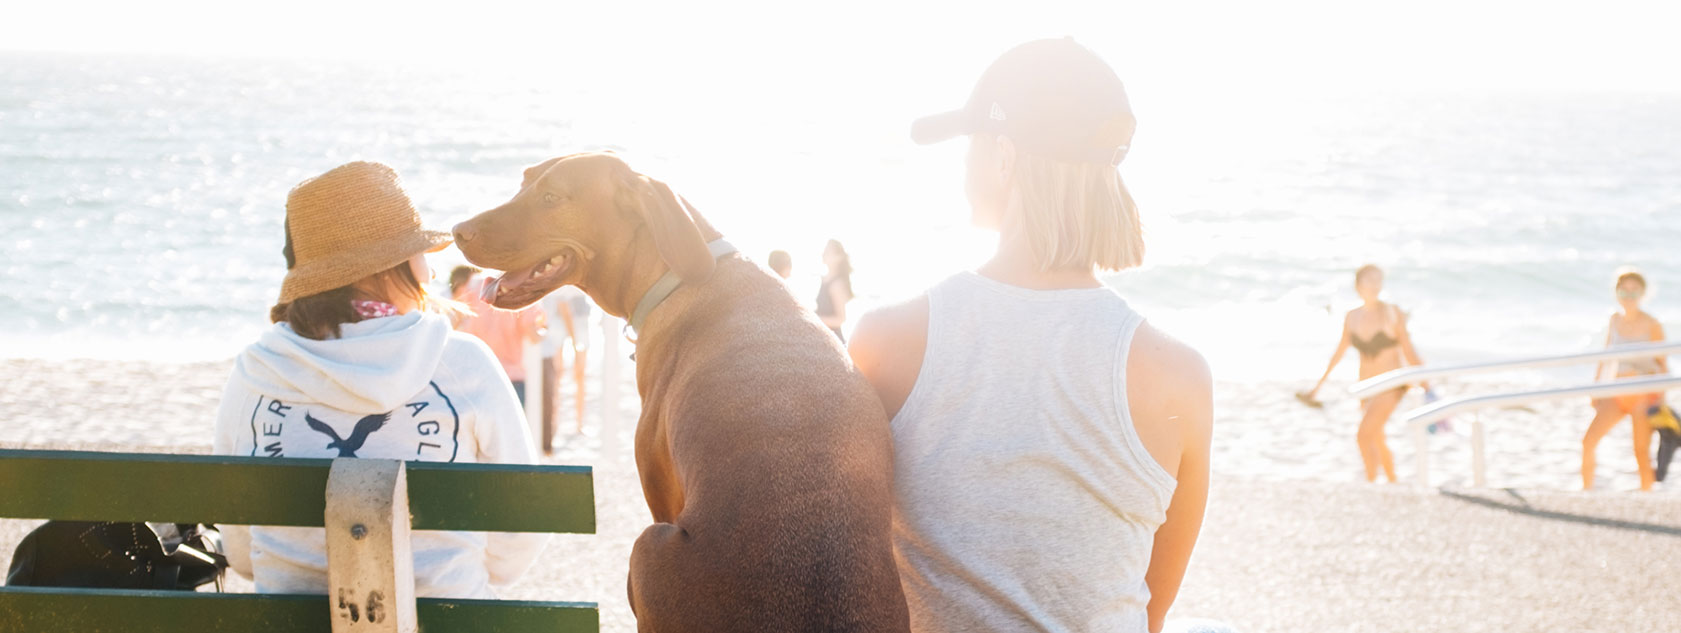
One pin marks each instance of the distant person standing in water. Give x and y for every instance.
(1379, 331)
(1051, 447)
(1629, 325)
(781, 263)
(836, 289)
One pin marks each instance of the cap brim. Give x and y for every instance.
(940, 127)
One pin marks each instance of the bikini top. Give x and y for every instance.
(1374, 345)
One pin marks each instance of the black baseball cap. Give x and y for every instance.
(1053, 98)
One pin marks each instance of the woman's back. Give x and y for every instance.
(1024, 494)
(401, 387)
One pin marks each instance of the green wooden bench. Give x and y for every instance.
(365, 504)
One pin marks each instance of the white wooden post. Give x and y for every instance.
(533, 362)
(370, 568)
(611, 333)
(1479, 467)
(1421, 444)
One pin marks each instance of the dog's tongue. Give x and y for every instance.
(521, 286)
(488, 292)
(508, 281)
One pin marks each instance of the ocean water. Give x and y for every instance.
(141, 197)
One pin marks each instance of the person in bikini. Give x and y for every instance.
(1630, 325)
(1379, 331)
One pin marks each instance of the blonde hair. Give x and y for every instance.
(1360, 273)
(1076, 215)
(1629, 272)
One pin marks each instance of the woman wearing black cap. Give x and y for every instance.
(1052, 448)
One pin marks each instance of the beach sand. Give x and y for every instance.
(1262, 432)
(1294, 540)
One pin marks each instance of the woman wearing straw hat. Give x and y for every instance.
(358, 364)
(1051, 448)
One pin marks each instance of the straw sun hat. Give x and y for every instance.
(347, 224)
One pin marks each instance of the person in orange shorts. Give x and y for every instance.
(1630, 325)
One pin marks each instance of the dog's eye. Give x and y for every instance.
(550, 198)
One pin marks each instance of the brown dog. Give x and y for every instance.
(764, 456)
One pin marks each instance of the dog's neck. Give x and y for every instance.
(618, 281)
(617, 278)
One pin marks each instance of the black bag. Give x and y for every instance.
(1668, 441)
(109, 555)
(1668, 425)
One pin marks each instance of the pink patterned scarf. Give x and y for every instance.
(373, 309)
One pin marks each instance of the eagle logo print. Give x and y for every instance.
(358, 436)
(429, 424)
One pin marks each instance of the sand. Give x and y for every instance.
(1294, 540)
(1262, 432)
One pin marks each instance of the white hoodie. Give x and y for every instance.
(403, 387)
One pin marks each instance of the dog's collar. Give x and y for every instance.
(663, 288)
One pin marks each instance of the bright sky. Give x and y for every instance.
(1241, 46)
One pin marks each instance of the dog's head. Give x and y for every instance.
(568, 210)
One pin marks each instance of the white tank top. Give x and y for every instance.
(1024, 499)
(1633, 366)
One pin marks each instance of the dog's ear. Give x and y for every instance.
(675, 233)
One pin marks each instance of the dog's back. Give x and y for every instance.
(767, 461)
(764, 457)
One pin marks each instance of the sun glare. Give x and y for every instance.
(196, 250)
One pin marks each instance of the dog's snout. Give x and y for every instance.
(464, 233)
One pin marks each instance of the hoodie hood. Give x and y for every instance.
(374, 366)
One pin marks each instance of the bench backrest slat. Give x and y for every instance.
(39, 610)
(94, 486)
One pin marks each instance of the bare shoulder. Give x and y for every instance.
(886, 327)
(1170, 394)
(1173, 368)
(887, 347)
